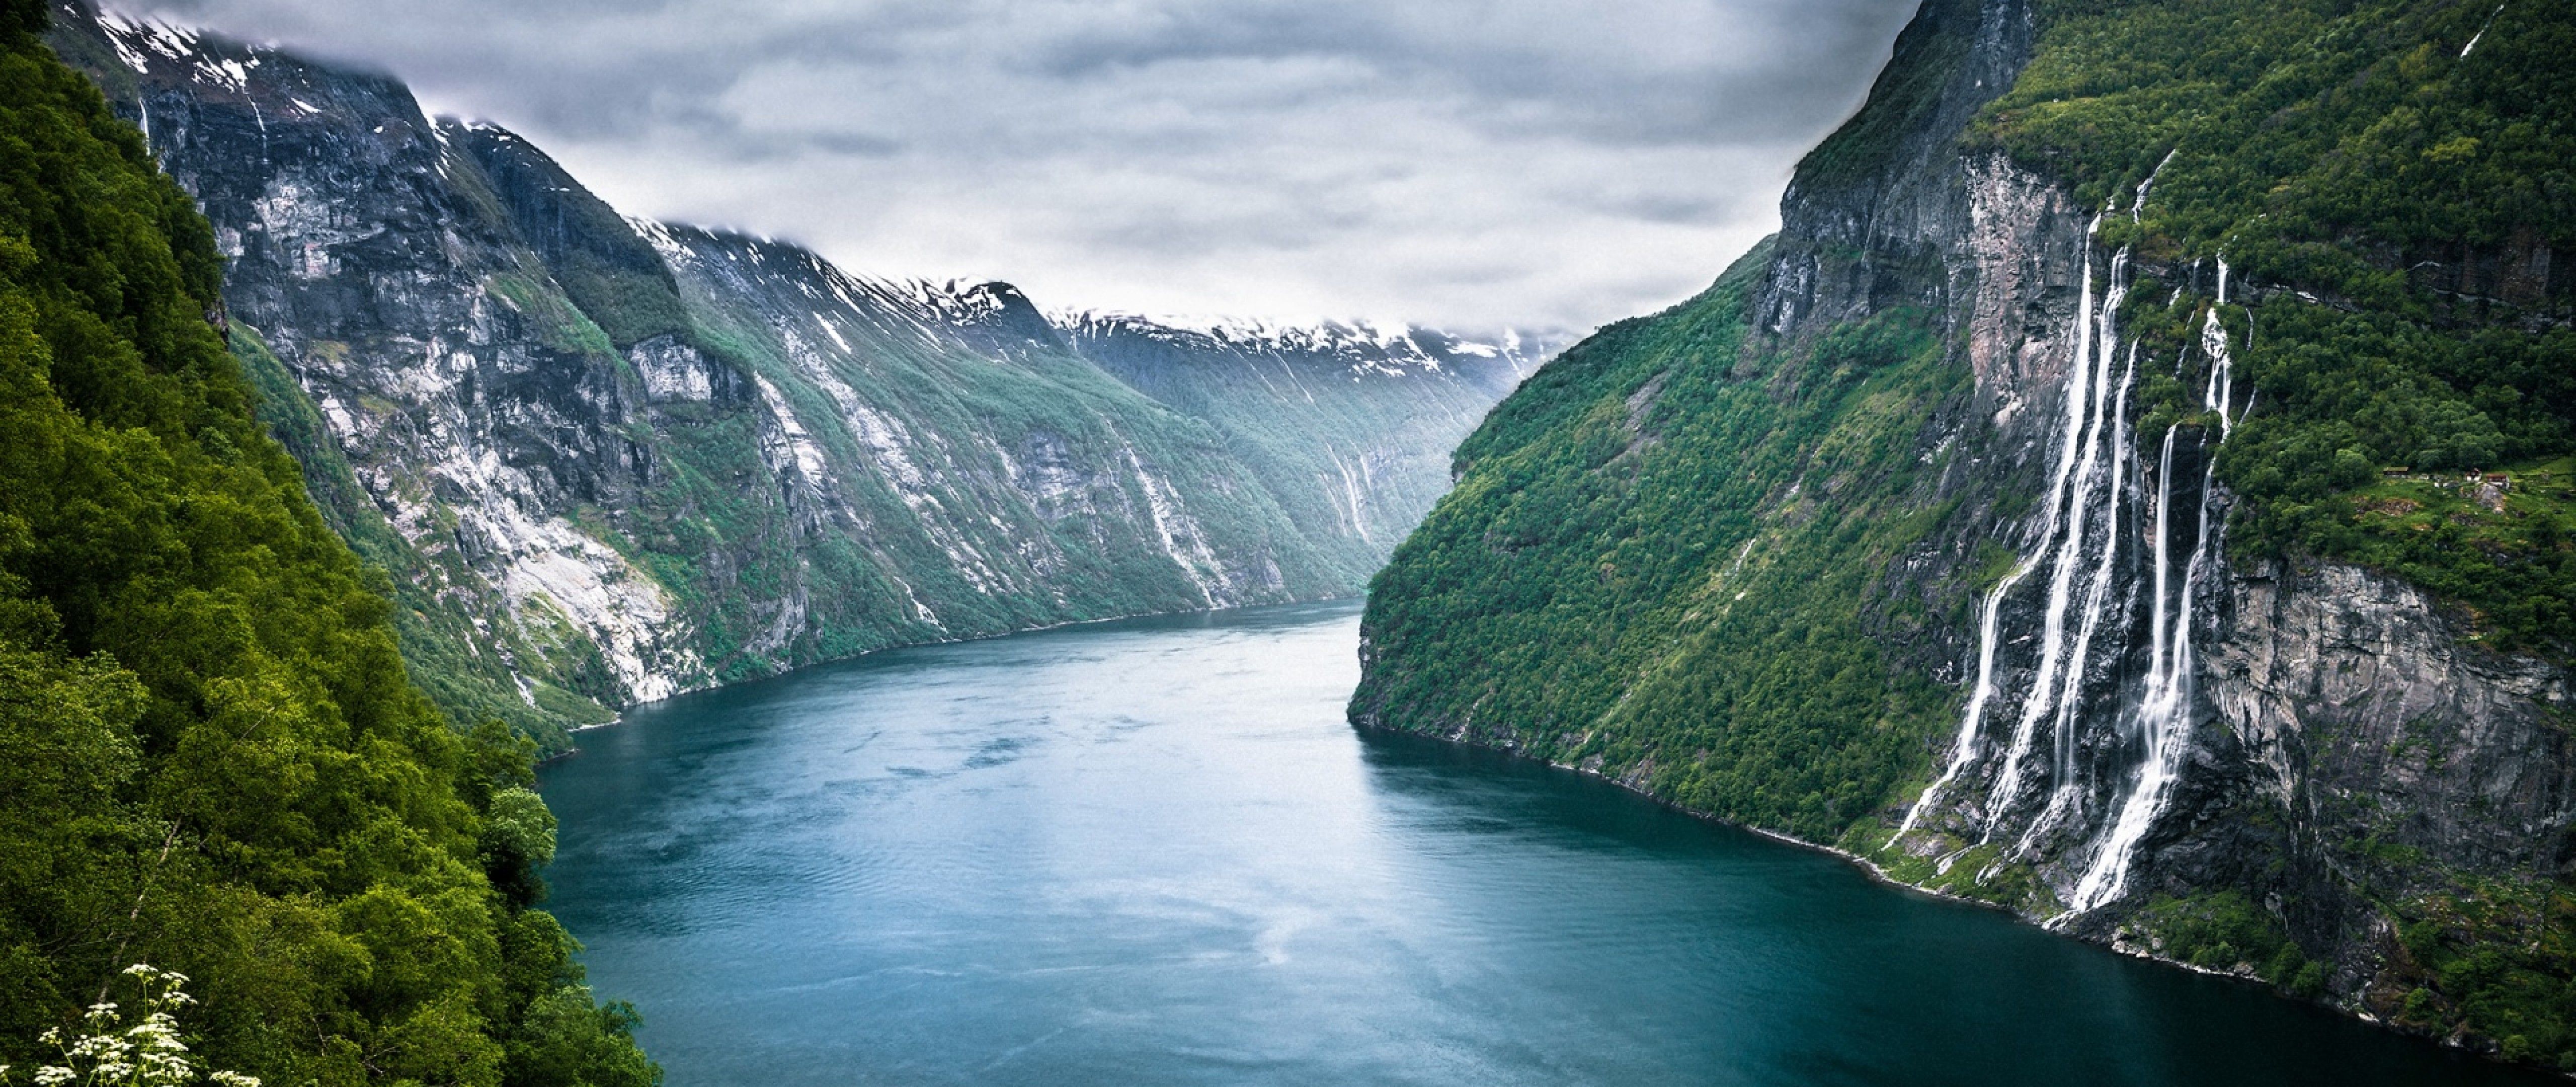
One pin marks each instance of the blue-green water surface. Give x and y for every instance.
(1152, 852)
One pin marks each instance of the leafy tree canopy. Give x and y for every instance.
(210, 756)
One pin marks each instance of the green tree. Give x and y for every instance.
(210, 755)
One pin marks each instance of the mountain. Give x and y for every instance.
(607, 461)
(210, 758)
(1383, 469)
(2132, 489)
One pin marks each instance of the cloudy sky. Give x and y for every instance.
(1473, 163)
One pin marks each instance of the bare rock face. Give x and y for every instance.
(2336, 678)
(473, 406)
(606, 461)
(2383, 753)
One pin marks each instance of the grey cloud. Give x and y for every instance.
(1474, 162)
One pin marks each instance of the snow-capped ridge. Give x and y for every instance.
(1380, 347)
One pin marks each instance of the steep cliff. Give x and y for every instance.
(2034, 516)
(611, 460)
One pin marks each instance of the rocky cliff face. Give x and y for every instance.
(608, 461)
(2068, 696)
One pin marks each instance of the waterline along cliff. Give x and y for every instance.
(609, 460)
(2132, 489)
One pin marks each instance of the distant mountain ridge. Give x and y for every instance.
(1365, 346)
(606, 460)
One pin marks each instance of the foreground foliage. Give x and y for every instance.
(210, 756)
(116, 1048)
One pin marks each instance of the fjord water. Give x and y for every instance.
(1152, 852)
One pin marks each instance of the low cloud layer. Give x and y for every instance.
(1469, 162)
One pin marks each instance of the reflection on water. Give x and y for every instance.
(1151, 852)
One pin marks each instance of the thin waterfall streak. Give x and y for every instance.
(2138, 203)
(2165, 705)
(2164, 498)
(2097, 593)
(2094, 354)
(2069, 700)
(2164, 714)
(2221, 390)
(2078, 399)
(2222, 362)
(1963, 750)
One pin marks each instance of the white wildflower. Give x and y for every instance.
(149, 1052)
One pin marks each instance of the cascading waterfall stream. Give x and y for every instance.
(1963, 750)
(2078, 545)
(2054, 691)
(2163, 715)
(2078, 399)
(2222, 377)
(2069, 793)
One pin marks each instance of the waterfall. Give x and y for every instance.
(1963, 750)
(2078, 545)
(2053, 690)
(2138, 202)
(2222, 377)
(2069, 794)
(2079, 403)
(2163, 716)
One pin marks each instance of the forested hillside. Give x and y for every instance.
(210, 757)
(2132, 489)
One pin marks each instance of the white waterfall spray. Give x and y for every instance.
(2222, 376)
(2053, 690)
(2078, 541)
(2079, 403)
(2068, 797)
(2163, 716)
(2138, 202)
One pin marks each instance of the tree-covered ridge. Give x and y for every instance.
(2394, 185)
(2394, 182)
(1655, 549)
(210, 756)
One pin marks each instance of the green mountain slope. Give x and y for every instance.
(1628, 569)
(2072, 508)
(210, 756)
(2397, 196)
